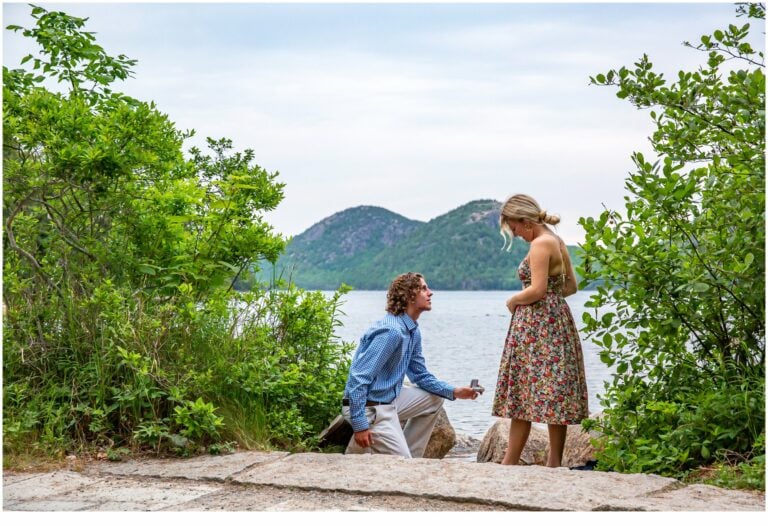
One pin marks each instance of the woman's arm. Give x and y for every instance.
(538, 259)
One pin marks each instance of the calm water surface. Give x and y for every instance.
(462, 338)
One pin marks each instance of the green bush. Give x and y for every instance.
(672, 431)
(271, 353)
(683, 269)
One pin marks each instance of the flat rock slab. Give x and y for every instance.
(522, 488)
(69, 491)
(42, 485)
(277, 481)
(215, 467)
(145, 495)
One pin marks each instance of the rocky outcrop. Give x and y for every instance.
(578, 448)
(443, 437)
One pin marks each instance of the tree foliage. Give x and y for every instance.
(683, 308)
(120, 322)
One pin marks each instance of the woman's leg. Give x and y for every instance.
(556, 444)
(518, 436)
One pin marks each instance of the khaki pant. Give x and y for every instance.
(414, 406)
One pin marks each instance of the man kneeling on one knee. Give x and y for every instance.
(375, 400)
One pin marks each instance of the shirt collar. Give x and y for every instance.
(408, 322)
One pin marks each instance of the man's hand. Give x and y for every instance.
(465, 393)
(363, 438)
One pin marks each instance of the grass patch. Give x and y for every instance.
(731, 475)
(247, 426)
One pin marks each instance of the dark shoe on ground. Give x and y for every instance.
(589, 466)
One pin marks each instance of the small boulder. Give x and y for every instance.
(578, 448)
(494, 445)
(465, 445)
(443, 437)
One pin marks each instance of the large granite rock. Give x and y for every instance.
(443, 437)
(442, 440)
(279, 481)
(578, 448)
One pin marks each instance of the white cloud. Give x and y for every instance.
(418, 115)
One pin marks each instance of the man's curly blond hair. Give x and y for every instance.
(402, 291)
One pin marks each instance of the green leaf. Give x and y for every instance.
(700, 287)
(606, 358)
(231, 267)
(147, 269)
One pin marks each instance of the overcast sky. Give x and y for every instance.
(415, 108)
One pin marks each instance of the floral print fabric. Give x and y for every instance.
(541, 375)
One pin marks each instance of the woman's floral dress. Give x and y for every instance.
(541, 376)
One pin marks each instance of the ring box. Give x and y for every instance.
(476, 387)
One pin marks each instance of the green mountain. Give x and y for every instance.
(366, 247)
(338, 248)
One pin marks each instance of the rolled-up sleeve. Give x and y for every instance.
(375, 349)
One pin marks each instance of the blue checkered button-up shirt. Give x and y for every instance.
(388, 351)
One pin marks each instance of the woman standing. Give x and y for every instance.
(541, 376)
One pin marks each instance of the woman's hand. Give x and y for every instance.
(511, 304)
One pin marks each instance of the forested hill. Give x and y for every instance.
(367, 246)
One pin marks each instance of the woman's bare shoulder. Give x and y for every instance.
(547, 241)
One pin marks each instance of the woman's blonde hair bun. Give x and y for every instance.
(521, 206)
(544, 217)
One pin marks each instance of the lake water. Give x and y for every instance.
(462, 338)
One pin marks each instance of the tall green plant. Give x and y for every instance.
(684, 266)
